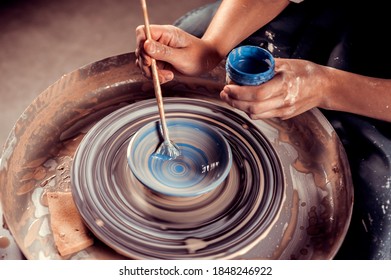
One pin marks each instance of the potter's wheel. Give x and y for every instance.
(139, 223)
(288, 196)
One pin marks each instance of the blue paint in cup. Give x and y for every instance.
(249, 65)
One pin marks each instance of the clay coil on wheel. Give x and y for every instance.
(297, 189)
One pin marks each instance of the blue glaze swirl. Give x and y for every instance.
(205, 159)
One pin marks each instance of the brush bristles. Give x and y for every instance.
(167, 151)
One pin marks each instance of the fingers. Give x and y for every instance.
(246, 102)
(143, 61)
(158, 48)
(256, 103)
(165, 75)
(251, 94)
(165, 40)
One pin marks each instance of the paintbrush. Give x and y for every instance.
(167, 149)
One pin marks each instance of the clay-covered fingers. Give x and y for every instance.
(256, 101)
(250, 102)
(245, 93)
(269, 100)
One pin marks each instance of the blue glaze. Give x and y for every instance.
(250, 65)
(204, 163)
(184, 171)
(179, 169)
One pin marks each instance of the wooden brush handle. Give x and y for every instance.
(155, 76)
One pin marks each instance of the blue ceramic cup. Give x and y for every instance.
(249, 65)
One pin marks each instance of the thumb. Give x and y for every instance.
(158, 50)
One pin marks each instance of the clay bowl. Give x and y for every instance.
(288, 194)
(204, 162)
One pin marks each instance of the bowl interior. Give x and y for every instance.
(203, 164)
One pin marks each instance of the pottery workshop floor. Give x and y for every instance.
(41, 40)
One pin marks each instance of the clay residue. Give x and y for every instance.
(318, 152)
(4, 242)
(291, 227)
(320, 155)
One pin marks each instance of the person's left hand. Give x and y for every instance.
(298, 85)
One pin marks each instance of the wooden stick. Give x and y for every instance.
(155, 76)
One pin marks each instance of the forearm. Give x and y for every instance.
(235, 20)
(358, 94)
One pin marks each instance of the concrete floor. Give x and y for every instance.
(40, 40)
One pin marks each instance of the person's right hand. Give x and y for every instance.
(174, 49)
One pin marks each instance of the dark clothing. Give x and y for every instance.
(352, 37)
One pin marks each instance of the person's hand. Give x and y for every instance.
(174, 49)
(297, 86)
